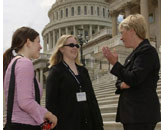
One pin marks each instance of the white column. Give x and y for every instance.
(53, 38)
(145, 12)
(74, 31)
(90, 30)
(66, 30)
(127, 11)
(114, 24)
(59, 32)
(50, 41)
(41, 77)
(45, 44)
(83, 35)
(98, 28)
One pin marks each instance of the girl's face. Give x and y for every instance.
(70, 49)
(35, 48)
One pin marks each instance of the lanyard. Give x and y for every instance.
(73, 75)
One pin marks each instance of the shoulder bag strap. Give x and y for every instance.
(37, 91)
(11, 93)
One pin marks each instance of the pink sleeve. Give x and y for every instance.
(24, 72)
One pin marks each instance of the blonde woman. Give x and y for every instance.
(69, 92)
(138, 107)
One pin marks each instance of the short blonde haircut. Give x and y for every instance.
(136, 22)
(57, 56)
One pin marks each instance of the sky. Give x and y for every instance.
(18, 13)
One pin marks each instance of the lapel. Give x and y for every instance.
(129, 59)
(142, 46)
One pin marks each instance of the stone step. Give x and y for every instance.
(107, 102)
(112, 125)
(112, 108)
(108, 116)
(105, 91)
(108, 98)
(106, 87)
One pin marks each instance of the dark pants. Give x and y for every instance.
(139, 126)
(17, 126)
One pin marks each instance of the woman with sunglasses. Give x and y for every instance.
(69, 92)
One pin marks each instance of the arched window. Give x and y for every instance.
(103, 12)
(98, 11)
(61, 13)
(91, 10)
(79, 10)
(66, 12)
(85, 10)
(72, 11)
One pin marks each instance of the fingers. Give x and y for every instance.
(106, 52)
(52, 118)
(112, 58)
(54, 121)
(53, 125)
(124, 86)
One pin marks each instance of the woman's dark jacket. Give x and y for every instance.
(139, 103)
(61, 100)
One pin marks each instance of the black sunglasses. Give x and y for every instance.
(72, 45)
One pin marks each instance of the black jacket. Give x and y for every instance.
(139, 103)
(61, 100)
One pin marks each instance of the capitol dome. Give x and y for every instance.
(68, 16)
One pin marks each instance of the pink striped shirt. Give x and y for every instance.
(25, 109)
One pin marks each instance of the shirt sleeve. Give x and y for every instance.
(142, 67)
(24, 75)
(52, 91)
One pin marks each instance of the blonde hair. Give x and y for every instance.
(136, 22)
(57, 56)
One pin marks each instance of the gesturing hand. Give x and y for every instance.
(111, 57)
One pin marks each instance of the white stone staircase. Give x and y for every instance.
(107, 100)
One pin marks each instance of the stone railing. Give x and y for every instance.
(43, 56)
(119, 4)
(101, 33)
(115, 41)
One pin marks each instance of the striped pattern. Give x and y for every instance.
(107, 101)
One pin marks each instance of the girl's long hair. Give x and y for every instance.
(19, 38)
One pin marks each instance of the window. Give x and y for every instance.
(98, 11)
(66, 12)
(72, 11)
(91, 10)
(85, 10)
(151, 18)
(61, 13)
(103, 12)
(79, 10)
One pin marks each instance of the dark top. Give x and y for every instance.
(139, 103)
(61, 99)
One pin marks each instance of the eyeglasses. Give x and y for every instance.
(72, 45)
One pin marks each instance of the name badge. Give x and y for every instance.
(81, 96)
